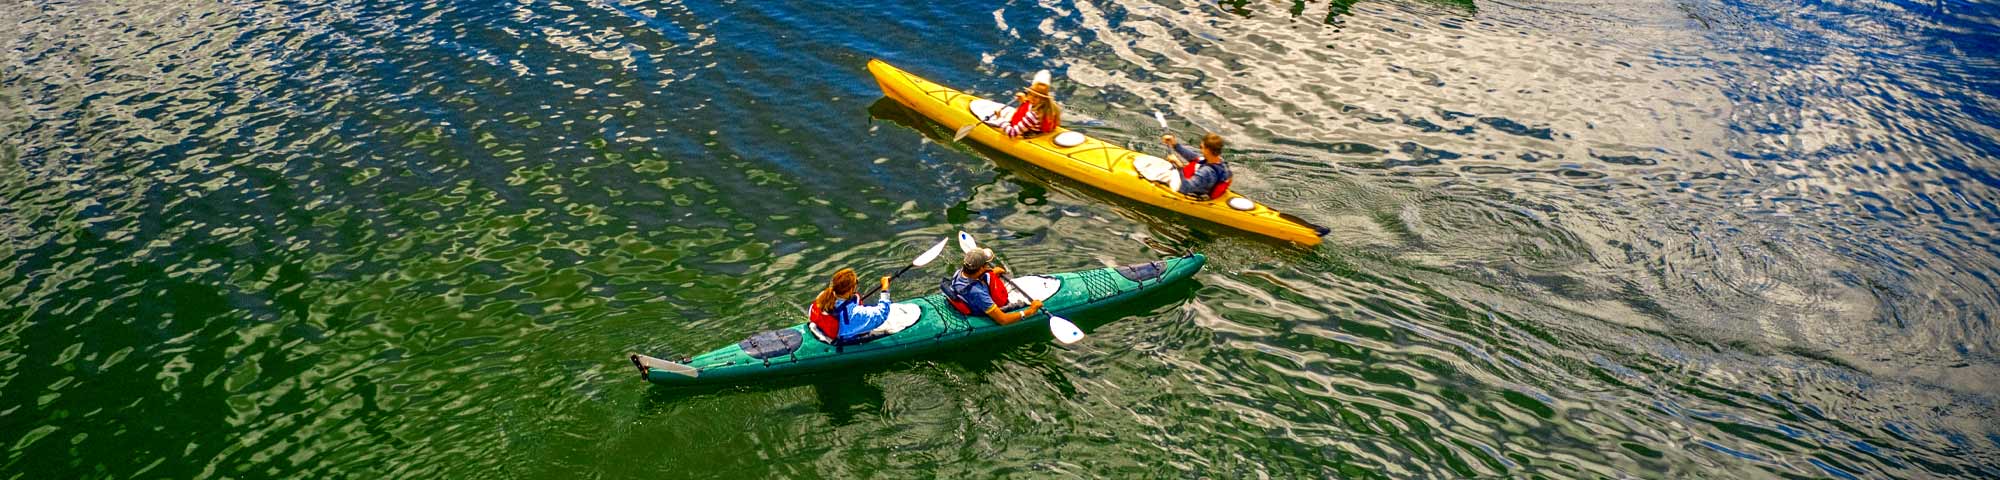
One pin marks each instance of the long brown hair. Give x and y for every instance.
(1045, 105)
(842, 287)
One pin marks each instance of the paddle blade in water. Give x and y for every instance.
(1065, 332)
(1160, 118)
(931, 254)
(962, 132)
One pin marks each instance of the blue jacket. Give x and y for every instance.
(857, 319)
(976, 295)
(1206, 175)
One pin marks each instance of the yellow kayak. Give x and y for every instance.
(1099, 164)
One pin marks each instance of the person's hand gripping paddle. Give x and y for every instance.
(1064, 330)
(921, 260)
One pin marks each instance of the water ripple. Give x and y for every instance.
(1570, 239)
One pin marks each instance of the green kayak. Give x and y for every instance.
(915, 326)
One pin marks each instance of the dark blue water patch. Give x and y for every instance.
(1981, 175)
(1425, 125)
(1732, 452)
(1897, 432)
(1578, 173)
(1345, 148)
(666, 28)
(1486, 170)
(1421, 155)
(1516, 128)
(1879, 206)
(1830, 469)
(1353, 148)
(1632, 160)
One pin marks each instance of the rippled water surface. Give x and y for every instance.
(1571, 239)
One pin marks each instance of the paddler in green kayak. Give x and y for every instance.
(837, 313)
(978, 289)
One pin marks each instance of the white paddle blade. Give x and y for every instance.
(931, 254)
(962, 132)
(1160, 118)
(966, 243)
(1065, 332)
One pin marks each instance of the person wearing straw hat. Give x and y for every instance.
(1037, 112)
(977, 289)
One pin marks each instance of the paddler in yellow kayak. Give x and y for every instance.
(1204, 176)
(1036, 112)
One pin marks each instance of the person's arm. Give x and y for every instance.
(1186, 154)
(885, 291)
(863, 319)
(1003, 317)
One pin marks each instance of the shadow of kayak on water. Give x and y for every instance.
(841, 396)
(1178, 233)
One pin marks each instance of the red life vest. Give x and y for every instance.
(827, 325)
(1222, 187)
(995, 286)
(1015, 126)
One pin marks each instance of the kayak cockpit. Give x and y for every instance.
(901, 316)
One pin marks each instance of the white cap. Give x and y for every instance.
(1041, 77)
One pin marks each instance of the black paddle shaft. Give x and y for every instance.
(892, 278)
(1011, 286)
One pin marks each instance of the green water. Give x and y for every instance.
(417, 239)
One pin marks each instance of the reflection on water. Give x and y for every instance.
(1663, 239)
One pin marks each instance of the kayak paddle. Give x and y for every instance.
(967, 130)
(966, 243)
(921, 260)
(1064, 330)
(1163, 126)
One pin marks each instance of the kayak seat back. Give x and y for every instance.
(1158, 170)
(901, 316)
(775, 343)
(984, 109)
(1037, 287)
